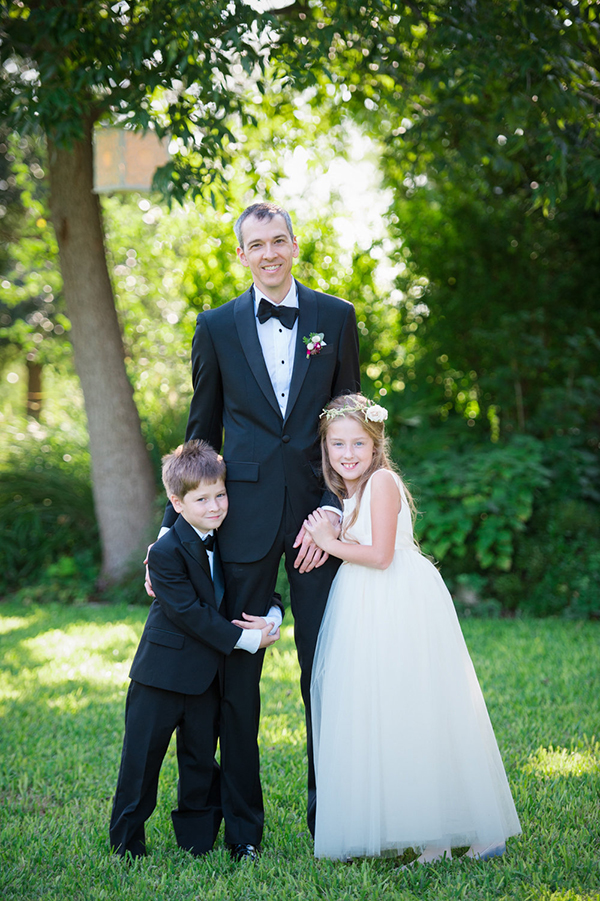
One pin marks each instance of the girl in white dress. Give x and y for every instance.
(405, 754)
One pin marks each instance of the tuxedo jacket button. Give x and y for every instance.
(285, 439)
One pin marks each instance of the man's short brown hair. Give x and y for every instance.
(261, 211)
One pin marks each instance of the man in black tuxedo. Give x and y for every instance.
(258, 393)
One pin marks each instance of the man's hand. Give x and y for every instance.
(147, 582)
(310, 556)
(258, 622)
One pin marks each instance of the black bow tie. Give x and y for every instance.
(208, 542)
(286, 315)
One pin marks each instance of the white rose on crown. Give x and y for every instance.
(376, 413)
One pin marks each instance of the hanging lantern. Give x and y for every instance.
(126, 160)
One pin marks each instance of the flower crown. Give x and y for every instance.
(372, 412)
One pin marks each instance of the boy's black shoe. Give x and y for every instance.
(244, 852)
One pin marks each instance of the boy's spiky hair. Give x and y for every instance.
(188, 465)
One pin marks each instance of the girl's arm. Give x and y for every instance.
(385, 506)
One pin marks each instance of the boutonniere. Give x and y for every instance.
(314, 343)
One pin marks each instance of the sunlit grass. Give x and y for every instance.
(546, 895)
(62, 694)
(561, 762)
(9, 623)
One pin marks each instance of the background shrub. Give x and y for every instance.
(48, 532)
(514, 528)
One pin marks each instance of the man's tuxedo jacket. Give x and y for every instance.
(267, 454)
(185, 637)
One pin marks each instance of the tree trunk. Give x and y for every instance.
(34, 389)
(123, 481)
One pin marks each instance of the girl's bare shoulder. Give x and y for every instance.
(385, 478)
(385, 483)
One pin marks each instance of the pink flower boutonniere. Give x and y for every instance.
(314, 343)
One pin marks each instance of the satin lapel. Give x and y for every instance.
(195, 547)
(307, 323)
(193, 544)
(245, 321)
(218, 577)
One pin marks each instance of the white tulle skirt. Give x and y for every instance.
(405, 754)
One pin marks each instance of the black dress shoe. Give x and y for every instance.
(244, 852)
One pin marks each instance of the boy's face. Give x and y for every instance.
(204, 507)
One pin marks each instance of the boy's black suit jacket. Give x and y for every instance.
(266, 454)
(185, 637)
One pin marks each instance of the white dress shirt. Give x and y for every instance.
(278, 345)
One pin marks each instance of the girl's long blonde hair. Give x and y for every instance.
(356, 406)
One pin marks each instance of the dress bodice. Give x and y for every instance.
(361, 530)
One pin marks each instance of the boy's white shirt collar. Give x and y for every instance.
(165, 529)
(202, 534)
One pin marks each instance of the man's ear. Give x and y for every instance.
(242, 257)
(176, 501)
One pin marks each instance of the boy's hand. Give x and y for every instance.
(251, 622)
(258, 622)
(267, 639)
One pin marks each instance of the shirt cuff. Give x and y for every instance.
(275, 617)
(335, 510)
(249, 640)
(163, 531)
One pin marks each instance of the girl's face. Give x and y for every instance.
(350, 450)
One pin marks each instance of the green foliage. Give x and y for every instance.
(48, 532)
(507, 88)
(477, 503)
(557, 564)
(478, 500)
(514, 527)
(171, 66)
(486, 115)
(509, 326)
(489, 148)
(70, 580)
(47, 520)
(168, 265)
(62, 700)
(32, 320)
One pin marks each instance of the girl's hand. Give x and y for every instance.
(321, 530)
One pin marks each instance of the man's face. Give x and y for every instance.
(269, 251)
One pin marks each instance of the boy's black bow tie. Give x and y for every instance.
(286, 315)
(208, 541)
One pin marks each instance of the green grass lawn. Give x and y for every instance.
(63, 680)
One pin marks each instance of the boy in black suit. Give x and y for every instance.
(178, 667)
